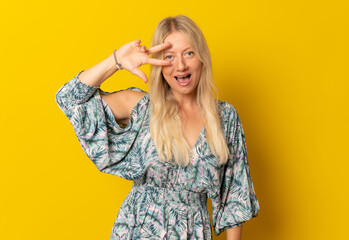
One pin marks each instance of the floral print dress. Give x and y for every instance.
(166, 201)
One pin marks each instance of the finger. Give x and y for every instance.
(158, 62)
(136, 43)
(143, 48)
(159, 47)
(140, 74)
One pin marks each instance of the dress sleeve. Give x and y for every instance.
(107, 144)
(237, 201)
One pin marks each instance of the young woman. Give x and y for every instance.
(177, 143)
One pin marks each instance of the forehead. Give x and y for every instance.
(179, 41)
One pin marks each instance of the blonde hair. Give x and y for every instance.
(165, 122)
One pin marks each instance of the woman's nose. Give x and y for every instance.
(181, 64)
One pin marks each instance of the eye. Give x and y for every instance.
(190, 53)
(169, 57)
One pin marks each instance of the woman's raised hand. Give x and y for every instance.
(132, 55)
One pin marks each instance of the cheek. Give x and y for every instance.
(198, 67)
(196, 64)
(166, 72)
(164, 76)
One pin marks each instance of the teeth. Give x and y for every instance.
(178, 77)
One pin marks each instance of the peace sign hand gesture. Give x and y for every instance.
(131, 56)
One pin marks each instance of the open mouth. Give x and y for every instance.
(183, 79)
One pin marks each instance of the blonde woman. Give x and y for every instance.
(177, 143)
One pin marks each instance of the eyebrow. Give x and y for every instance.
(169, 51)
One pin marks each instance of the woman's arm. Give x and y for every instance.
(234, 233)
(97, 74)
(131, 56)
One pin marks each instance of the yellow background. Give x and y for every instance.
(282, 64)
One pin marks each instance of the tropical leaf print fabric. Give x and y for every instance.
(166, 201)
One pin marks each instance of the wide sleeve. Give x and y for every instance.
(108, 145)
(237, 201)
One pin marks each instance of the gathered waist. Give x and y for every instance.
(159, 213)
(173, 195)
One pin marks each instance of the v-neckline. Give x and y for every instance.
(198, 140)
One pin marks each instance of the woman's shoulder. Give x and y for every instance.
(136, 89)
(135, 96)
(131, 95)
(133, 92)
(228, 115)
(124, 103)
(226, 109)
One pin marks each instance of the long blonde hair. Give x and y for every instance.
(165, 122)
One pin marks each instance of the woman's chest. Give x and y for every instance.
(203, 174)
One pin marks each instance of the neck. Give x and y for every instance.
(186, 101)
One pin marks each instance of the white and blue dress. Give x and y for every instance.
(166, 201)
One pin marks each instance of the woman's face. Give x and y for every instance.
(183, 75)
